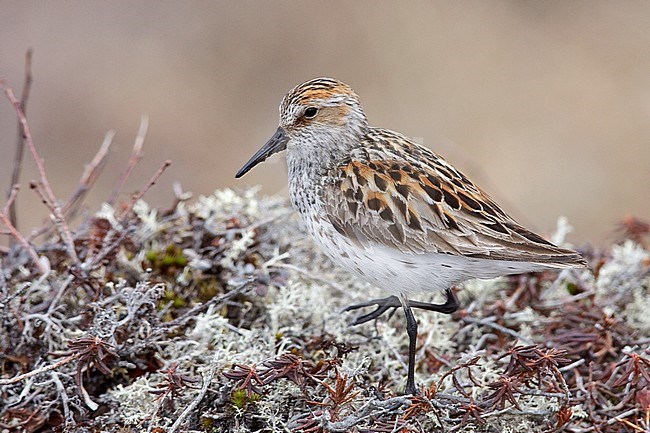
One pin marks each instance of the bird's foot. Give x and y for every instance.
(383, 305)
(393, 302)
(411, 389)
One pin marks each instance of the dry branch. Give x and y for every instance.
(152, 182)
(86, 181)
(20, 138)
(90, 175)
(136, 156)
(43, 369)
(16, 235)
(59, 221)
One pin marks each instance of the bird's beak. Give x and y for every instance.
(276, 144)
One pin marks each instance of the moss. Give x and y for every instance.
(572, 288)
(240, 399)
(208, 289)
(173, 298)
(168, 261)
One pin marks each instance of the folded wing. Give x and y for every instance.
(417, 203)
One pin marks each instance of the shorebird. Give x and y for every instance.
(393, 212)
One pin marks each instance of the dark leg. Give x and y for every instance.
(450, 306)
(384, 304)
(412, 330)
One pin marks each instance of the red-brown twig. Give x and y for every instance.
(86, 181)
(59, 221)
(93, 260)
(38, 188)
(16, 234)
(20, 139)
(90, 175)
(10, 200)
(136, 156)
(147, 187)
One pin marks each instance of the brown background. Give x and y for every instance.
(545, 104)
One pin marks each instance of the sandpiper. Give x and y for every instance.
(393, 212)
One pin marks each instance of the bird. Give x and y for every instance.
(393, 212)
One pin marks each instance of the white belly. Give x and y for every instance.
(399, 273)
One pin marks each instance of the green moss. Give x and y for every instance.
(167, 261)
(208, 425)
(240, 399)
(151, 256)
(170, 296)
(572, 288)
(208, 289)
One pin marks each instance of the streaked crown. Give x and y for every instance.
(318, 90)
(319, 119)
(322, 102)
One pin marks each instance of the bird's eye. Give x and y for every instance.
(311, 112)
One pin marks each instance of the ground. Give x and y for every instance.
(220, 315)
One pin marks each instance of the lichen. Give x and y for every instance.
(230, 284)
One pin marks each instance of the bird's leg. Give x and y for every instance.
(450, 306)
(384, 304)
(412, 331)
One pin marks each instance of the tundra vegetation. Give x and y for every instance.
(218, 314)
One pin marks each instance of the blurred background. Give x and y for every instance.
(544, 104)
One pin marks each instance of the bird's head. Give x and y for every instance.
(318, 113)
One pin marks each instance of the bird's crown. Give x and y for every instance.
(321, 100)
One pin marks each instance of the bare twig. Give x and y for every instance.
(17, 235)
(86, 397)
(488, 321)
(564, 300)
(573, 365)
(40, 192)
(59, 294)
(392, 405)
(94, 260)
(20, 138)
(207, 380)
(136, 156)
(90, 174)
(59, 221)
(65, 400)
(216, 300)
(11, 198)
(147, 187)
(619, 417)
(4, 288)
(309, 275)
(44, 369)
(86, 181)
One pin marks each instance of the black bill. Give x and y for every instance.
(276, 144)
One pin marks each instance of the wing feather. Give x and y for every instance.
(416, 202)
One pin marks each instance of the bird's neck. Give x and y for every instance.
(309, 161)
(315, 155)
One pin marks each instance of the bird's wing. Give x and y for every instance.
(408, 198)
